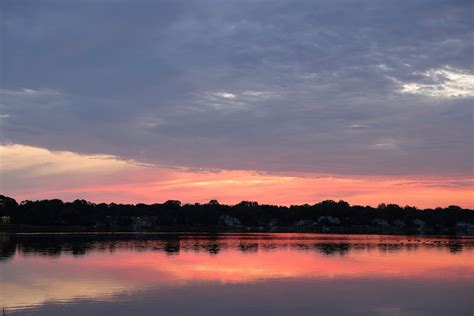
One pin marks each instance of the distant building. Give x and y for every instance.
(329, 220)
(5, 220)
(139, 222)
(420, 226)
(304, 223)
(229, 220)
(398, 223)
(273, 223)
(464, 228)
(380, 223)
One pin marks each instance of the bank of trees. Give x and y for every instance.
(173, 213)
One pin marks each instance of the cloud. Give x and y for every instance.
(385, 144)
(42, 163)
(36, 173)
(444, 82)
(24, 92)
(236, 101)
(358, 126)
(314, 87)
(225, 95)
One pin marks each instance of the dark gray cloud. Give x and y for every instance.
(346, 87)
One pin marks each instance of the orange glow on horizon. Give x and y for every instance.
(35, 173)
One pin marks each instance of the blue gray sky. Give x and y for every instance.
(372, 88)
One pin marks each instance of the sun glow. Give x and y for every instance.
(36, 173)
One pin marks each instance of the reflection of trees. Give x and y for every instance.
(80, 244)
(213, 248)
(172, 247)
(331, 249)
(384, 247)
(248, 247)
(454, 247)
(7, 248)
(326, 248)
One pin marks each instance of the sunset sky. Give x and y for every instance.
(281, 102)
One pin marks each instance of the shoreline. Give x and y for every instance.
(35, 229)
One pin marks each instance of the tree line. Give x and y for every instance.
(326, 214)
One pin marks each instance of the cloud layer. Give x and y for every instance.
(328, 87)
(36, 173)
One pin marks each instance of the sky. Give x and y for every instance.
(282, 102)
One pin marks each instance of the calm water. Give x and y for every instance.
(236, 274)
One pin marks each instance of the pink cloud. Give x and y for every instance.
(36, 173)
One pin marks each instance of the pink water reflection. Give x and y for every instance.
(31, 278)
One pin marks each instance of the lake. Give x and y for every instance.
(235, 274)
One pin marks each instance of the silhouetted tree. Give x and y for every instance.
(171, 213)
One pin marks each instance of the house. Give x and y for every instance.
(381, 223)
(464, 228)
(304, 223)
(420, 226)
(229, 220)
(140, 222)
(329, 220)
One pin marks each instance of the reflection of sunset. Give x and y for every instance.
(235, 266)
(36, 173)
(101, 274)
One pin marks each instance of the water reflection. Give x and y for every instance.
(51, 273)
(172, 243)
